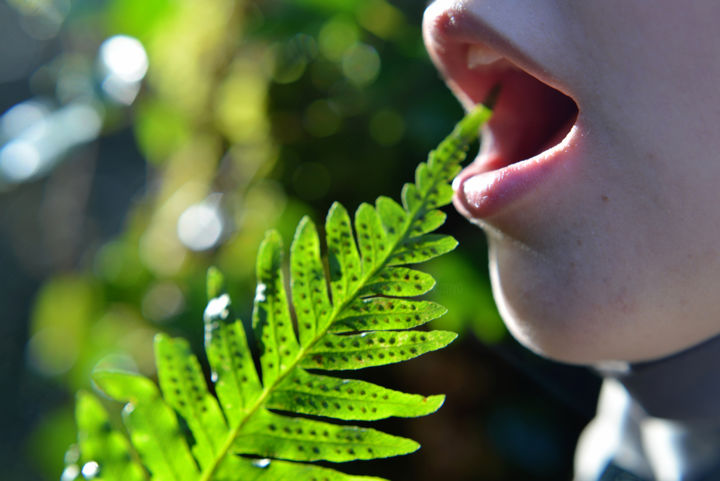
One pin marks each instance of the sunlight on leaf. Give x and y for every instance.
(355, 316)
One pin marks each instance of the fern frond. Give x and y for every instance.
(357, 315)
(101, 444)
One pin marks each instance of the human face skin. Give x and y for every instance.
(606, 245)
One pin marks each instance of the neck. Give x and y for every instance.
(682, 387)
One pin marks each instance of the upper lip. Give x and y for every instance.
(535, 110)
(450, 28)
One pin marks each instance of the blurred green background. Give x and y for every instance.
(143, 140)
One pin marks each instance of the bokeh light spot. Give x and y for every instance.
(52, 351)
(201, 226)
(22, 116)
(70, 473)
(240, 108)
(381, 18)
(124, 57)
(117, 263)
(90, 470)
(41, 19)
(321, 119)
(19, 160)
(387, 127)
(336, 36)
(125, 63)
(324, 75)
(292, 57)
(162, 301)
(117, 361)
(361, 64)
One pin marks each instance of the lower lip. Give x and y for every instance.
(482, 192)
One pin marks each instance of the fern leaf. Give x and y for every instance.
(309, 289)
(427, 222)
(347, 399)
(398, 282)
(371, 237)
(271, 313)
(185, 390)
(421, 249)
(356, 316)
(411, 198)
(392, 215)
(358, 351)
(153, 426)
(233, 371)
(99, 443)
(379, 313)
(343, 257)
(265, 469)
(300, 439)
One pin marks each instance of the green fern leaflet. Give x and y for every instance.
(360, 314)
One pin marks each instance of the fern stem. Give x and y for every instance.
(464, 132)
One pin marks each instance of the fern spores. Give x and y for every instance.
(350, 307)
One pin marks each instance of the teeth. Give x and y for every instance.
(479, 56)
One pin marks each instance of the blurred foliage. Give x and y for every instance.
(252, 114)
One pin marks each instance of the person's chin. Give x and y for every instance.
(589, 317)
(563, 313)
(539, 306)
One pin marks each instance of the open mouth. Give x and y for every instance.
(536, 128)
(529, 116)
